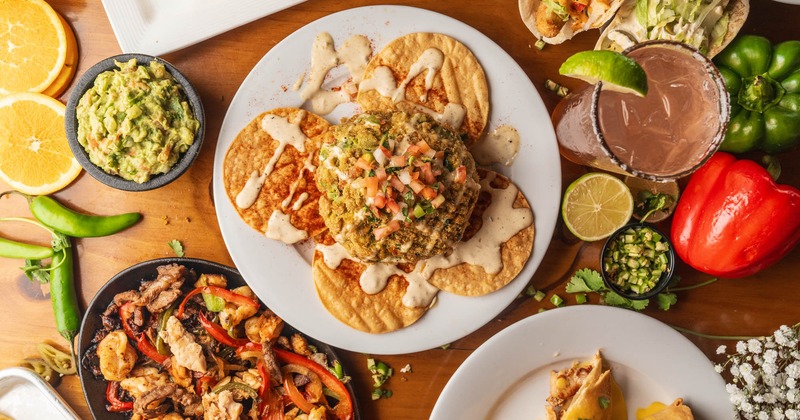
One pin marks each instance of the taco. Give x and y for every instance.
(555, 21)
(708, 25)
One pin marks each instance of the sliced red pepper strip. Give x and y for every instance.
(344, 409)
(142, 342)
(220, 334)
(219, 292)
(112, 396)
(249, 346)
(199, 387)
(295, 395)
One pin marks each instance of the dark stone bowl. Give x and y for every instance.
(130, 278)
(86, 82)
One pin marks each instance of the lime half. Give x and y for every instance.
(617, 72)
(595, 205)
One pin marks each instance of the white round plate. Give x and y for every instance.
(281, 274)
(508, 376)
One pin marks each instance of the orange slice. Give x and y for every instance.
(35, 157)
(70, 64)
(34, 46)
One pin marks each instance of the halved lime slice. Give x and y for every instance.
(595, 205)
(617, 72)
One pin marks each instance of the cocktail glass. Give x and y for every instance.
(663, 136)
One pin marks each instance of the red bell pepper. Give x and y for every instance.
(344, 409)
(733, 220)
(115, 405)
(219, 292)
(142, 342)
(220, 334)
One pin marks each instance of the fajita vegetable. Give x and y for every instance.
(733, 220)
(764, 84)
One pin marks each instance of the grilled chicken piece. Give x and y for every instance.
(221, 406)
(263, 327)
(233, 314)
(117, 357)
(186, 351)
(180, 374)
(143, 379)
(300, 345)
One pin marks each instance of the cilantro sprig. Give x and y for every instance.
(587, 280)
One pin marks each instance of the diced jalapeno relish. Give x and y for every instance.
(636, 259)
(395, 170)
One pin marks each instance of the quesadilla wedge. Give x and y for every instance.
(583, 391)
(555, 21)
(708, 25)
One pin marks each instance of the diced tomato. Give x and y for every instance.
(397, 184)
(372, 186)
(428, 193)
(398, 160)
(393, 206)
(380, 201)
(461, 174)
(390, 228)
(363, 164)
(413, 150)
(439, 155)
(380, 173)
(417, 186)
(355, 172)
(415, 175)
(578, 7)
(437, 172)
(423, 146)
(427, 173)
(375, 211)
(385, 151)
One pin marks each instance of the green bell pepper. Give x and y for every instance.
(764, 85)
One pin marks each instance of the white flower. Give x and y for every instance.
(793, 370)
(793, 396)
(754, 345)
(718, 368)
(721, 349)
(777, 414)
(770, 356)
(792, 414)
(762, 415)
(741, 347)
(791, 383)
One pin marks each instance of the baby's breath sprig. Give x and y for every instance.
(765, 375)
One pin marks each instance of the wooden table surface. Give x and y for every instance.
(184, 209)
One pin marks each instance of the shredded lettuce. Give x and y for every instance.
(559, 9)
(699, 23)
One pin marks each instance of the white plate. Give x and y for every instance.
(25, 395)
(281, 276)
(157, 27)
(508, 376)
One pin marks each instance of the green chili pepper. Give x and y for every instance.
(230, 386)
(764, 85)
(63, 296)
(13, 249)
(55, 216)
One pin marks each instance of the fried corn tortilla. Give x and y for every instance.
(460, 81)
(342, 296)
(472, 280)
(252, 150)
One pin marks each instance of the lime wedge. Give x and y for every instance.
(617, 72)
(595, 205)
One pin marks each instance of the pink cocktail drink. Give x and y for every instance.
(665, 135)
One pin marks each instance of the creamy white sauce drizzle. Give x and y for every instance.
(300, 200)
(501, 221)
(453, 114)
(307, 166)
(354, 54)
(280, 227)
(384, 83)
(286, 133)
(499, 146)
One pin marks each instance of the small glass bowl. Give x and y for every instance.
(663, 281)
(86, 82)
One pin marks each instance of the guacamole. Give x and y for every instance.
(396, 187)
(135, 122)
